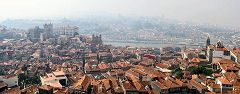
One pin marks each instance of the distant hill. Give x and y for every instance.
(118, 27)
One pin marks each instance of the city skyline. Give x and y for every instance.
(119, 47)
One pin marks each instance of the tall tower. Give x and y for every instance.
(48, 30)
(100, 39)
(93, 38)
(35, 33)
(210, 56)
(208, 41)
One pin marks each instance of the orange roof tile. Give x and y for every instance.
(160, 85)
(128, 86)
(15, 90)
(106, 83)
(213, 85)
(224, 80)
(46, 87)
(195, 60)
(139, 86)
(162, 65)
(83, 83)
(56, 85)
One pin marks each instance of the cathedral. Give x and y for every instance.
(97, 40)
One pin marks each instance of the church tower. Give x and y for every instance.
(48, 30)
(208, 41)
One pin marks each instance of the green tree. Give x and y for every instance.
(177, 72)
(200, 70)
(135, 56)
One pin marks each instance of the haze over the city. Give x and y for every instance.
(222, 12)
(119, 47)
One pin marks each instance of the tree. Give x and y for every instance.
(200, 70)
(177, 72)
(135, 56)
(208, 72)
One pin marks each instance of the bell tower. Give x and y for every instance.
(208, 41)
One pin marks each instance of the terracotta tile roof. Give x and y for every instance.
(139, 66)
(116, 86)
(99, 89)
(230, 75)
(115, 66)
(197, 85)
(160, 85)
(139, 71)
(236, 85)
(56, 85)
(195, 60)
(15, 90)
(221, 49)
(216, 60)
(217, 74)
(139, 86)
(31, 89)
(117, 72)
(46, 87)
(106, 83)
(83, 83)
(59, 92)
(103, 66)
(153, 92)
(161, 65)
(128, 86)
(227, 64)
(179, 82)
(211, 46)
(213, 85)
(146, 63)
(169, 84)
(132, 77)
(234, 92)
(123, 64)
(210, 93)
(223, 80)
(131, 72)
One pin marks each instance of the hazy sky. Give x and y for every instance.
(224, 12)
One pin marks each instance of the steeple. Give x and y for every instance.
(208, 41)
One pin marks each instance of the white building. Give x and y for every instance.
(60, 75)
(56, 79)
(10, 80)
(66, 30)
(224, 84)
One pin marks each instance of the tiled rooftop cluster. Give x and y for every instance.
(76, 64)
